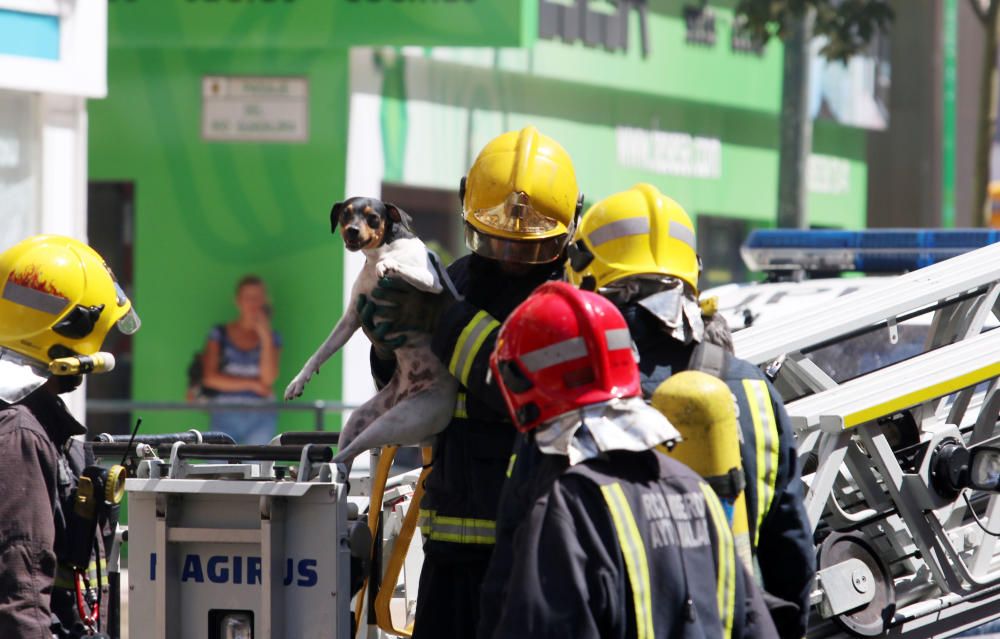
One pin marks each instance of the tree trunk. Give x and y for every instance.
(796, 125)
(988, 88)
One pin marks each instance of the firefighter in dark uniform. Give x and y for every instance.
(637, 248)
(624, 542)
(58, 300)
(520, 203)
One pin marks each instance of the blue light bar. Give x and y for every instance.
(876, 251)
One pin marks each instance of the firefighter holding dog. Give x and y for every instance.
(58, 301)
(624, 541)
(520, 202)
(637, 249)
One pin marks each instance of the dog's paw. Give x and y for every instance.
(293, 390)
(386, 266)
(297, 385)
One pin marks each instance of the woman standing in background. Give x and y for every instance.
(241, 363)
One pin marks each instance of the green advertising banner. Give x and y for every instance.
(322, 23)
(454, 23)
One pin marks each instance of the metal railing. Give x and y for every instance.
(319, 408)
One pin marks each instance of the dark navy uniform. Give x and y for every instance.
(459, 507)
(779, 528)
(39, 466)
(629, 545)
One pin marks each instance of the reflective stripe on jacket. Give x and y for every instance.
(631, 545)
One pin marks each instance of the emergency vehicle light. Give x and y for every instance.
(873, 251)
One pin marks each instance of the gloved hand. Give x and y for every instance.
(376, 332)
(397, 307)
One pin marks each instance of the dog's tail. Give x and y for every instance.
(442, 273)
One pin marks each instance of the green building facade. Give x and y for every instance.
(231, 127)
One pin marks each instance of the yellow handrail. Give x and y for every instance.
(383, 616)
(374, 509)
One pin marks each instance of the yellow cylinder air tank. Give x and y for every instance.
(702, 408)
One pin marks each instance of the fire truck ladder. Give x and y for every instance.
(902, 464)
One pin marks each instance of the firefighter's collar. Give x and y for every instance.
(621, 424)
(667, 299)
(678, 312)
(19, 376)
(52, 414)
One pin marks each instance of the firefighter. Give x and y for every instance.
(58, 301)
(624, 541)
(637, 249)
(520, 202)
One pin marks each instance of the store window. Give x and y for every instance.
(436, 216)
(110, 221)
(19, 170)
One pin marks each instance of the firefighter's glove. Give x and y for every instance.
(395, 308)
(376, 333)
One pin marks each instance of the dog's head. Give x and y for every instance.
(367, 223)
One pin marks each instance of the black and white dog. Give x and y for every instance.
(419, 400)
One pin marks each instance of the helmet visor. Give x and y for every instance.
(501, 249)
(515, 215)
(130, 322)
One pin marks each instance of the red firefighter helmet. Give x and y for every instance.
(562, 349)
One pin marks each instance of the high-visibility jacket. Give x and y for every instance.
(458, 512)
(629, 545)
(462, 493)
(470, 455)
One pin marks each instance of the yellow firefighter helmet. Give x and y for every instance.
(520, 199)
(58, 298)
(636, 232)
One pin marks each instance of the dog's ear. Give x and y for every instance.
(335, 215)
(398, 215)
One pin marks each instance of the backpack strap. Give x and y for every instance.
(222, 334)
(222, 345)
(708, 358)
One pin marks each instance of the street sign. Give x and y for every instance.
(255, 109)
